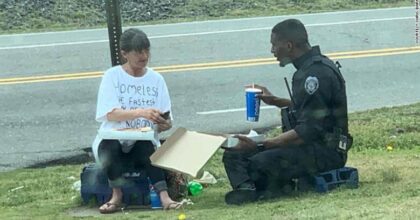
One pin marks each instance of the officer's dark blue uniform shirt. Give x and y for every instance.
(320, 97)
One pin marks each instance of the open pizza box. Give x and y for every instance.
(186, 151)
(147, 134)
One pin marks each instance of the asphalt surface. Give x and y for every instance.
(54, 119)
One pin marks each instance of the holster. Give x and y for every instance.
(339, 141)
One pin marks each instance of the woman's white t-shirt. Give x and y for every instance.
(120, 90)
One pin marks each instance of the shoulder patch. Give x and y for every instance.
(311, 84)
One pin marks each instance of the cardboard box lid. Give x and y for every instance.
(186, 151)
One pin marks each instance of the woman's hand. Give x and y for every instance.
(156, 117)
(164, 126)
(152, 114)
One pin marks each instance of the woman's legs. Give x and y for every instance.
(141, 153)
(111, 158)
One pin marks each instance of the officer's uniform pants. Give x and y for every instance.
(274, 168)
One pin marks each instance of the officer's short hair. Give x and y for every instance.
(134, 40)
(291, 30)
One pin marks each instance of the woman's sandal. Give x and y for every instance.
(173, 205)
(109, 208)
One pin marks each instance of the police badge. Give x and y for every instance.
(311, 84)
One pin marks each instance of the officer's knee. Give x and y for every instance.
(264, 163)
(260, 159)
(258, 163)
(231, 156)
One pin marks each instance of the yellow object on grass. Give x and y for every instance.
(182, 216)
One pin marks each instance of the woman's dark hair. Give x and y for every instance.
(134, 39)
(291, 30)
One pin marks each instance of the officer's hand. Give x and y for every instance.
(263, 89)
(245, 144)
(267, 97)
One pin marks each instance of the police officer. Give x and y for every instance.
(318, 140)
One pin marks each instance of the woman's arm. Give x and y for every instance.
(151, 114)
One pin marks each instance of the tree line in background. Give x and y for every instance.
(39, 15)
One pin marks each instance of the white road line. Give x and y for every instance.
(231, 110)
(269, 28)
(54, 44)
(220, 20)
(206, 33)
(360, 21)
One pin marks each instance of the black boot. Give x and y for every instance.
(241, 196)
(245, 193)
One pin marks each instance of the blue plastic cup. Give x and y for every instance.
(252, 104)
(155, 200)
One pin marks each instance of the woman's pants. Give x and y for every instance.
(115, 162)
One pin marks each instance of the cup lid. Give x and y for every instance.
(253, 90)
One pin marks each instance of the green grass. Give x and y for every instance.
(389, 183)
(398, 127)
(250, 8)
(67, 14)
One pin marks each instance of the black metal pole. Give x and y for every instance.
(113, 16)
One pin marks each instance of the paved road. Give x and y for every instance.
(55, 118)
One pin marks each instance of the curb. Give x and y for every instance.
(78, 157)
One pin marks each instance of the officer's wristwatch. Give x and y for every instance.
(260, 147)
